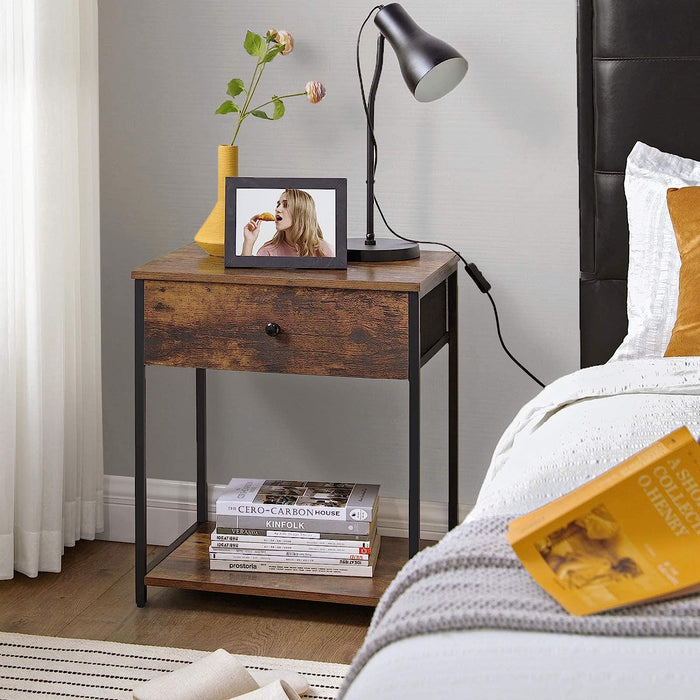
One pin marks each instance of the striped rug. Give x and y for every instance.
(55, 667)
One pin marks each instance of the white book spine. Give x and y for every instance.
(301, 541)
(329, 561)
(300, 535)
(321, 550)
(306, 512)
(314, 569)
(292, 537)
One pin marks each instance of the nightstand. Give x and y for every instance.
(371, 321)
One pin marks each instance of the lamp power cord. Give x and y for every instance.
(471, 269)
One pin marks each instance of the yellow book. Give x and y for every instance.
(628, 536)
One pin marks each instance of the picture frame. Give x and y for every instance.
(320, 203)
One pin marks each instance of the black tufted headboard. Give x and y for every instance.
(638, 80)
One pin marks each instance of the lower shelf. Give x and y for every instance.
(188, 567)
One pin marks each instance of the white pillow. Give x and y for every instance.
(652, 282)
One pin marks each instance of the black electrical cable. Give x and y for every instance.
(471, 269)
(480, 281)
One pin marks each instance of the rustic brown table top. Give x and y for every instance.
(191, 264)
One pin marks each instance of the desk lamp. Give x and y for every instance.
(431, 68)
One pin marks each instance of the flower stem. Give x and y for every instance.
(279, 97)
(254, 80)
(242, 114)
(238, 128)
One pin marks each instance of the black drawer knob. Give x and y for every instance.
(272, 329)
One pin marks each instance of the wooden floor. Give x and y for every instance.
(93, 598)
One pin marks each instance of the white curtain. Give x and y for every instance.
(51, 468)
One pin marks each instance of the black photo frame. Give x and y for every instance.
(247, 197)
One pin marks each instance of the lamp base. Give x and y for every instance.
(385, 250)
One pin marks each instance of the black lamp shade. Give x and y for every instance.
(430, 67)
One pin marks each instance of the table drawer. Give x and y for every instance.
(351, 333)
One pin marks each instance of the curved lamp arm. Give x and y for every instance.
(431, 69)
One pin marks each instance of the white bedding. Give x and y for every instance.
(576, 428)
(499, 665)
(583, 424)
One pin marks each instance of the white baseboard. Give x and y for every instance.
(172, 508)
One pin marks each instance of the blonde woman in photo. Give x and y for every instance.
(298, 232)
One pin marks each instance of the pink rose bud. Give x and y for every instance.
(272, 34)
(315, 91)
(284, 37)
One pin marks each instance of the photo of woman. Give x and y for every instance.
(297, 230)
(286, 223)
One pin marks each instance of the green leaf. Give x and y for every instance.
(235, 87)
(227, 107)
(254, 44)
(272, 52)
(277, 113)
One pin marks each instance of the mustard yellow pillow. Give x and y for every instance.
(684, 208)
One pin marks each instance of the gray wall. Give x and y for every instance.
(490, 169)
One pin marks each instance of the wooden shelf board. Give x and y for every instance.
(188, 567)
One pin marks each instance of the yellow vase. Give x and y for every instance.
(211, 236)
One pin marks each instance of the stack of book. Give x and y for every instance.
(296, 527)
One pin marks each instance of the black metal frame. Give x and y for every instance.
(421, 349)
(140, 519)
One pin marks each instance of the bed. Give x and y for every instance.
(638, 72)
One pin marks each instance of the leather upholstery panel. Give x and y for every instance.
(611, 249)
(654, 101)
(603, 319)
(646, 28)
(638, 79)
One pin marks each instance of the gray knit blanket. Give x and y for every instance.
(472, 579)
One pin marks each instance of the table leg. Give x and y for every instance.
(201, 400)
(413, 423)
(452, 392)
(140, 448)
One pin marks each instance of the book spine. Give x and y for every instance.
(345, 513)
(305, 543)
(363, 496)
(320, 550)
(269, 567)
(293, 524)
(299, 559)
(242, 534)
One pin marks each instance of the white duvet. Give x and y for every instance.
(576, 428)
(583, 424)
